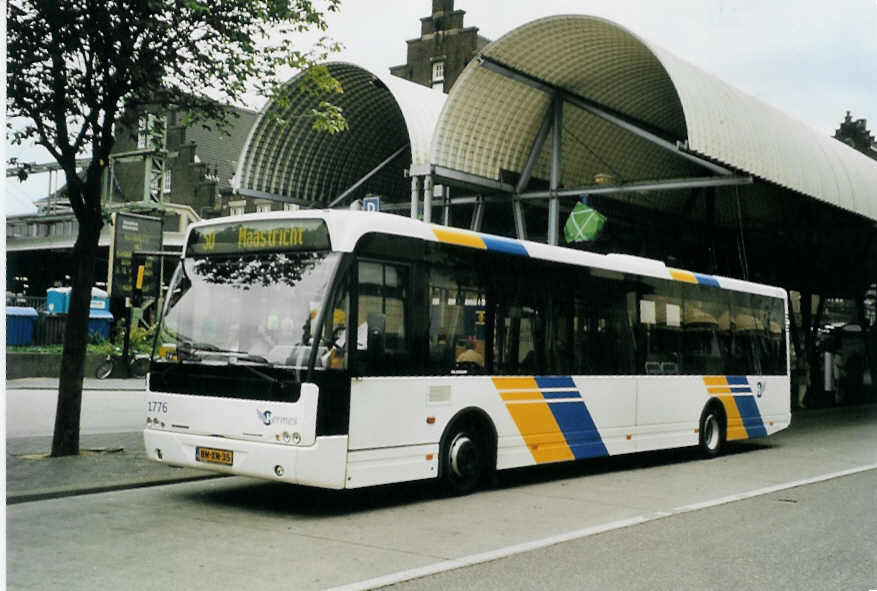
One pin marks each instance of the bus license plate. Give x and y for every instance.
(214, 456)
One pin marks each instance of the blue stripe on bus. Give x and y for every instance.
(562, 394)
(744, 389)
(751, 416)
(506, 246)
(705, 280)
(737, 380)
(578, 429)
(554, 382)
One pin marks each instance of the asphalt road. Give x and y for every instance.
(818, 537)
(236, 532)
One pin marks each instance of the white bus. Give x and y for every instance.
(344, 349)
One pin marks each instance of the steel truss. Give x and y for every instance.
(486, 190)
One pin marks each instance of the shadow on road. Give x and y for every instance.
(302, 501)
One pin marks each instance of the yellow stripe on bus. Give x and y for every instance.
(715, 380)
(541, 432)
(680, 275)
(517, 383)
(719, 389)
(735, 427)
(459, 238)
(512, 395)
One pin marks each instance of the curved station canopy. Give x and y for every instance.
(567, 106)
(390, 126)
(607, 76)
(683, 165)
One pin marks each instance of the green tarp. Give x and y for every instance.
(584, 224)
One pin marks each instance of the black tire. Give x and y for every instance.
(712, 431)
(464, 456)
(104, 369)
(140, 367)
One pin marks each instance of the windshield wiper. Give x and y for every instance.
(234, 357)
(190, 348)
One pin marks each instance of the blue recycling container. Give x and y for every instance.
(99, 300)
(99, 322)
(57, 300)
(20, 323)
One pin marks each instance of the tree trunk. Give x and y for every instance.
(65, 441)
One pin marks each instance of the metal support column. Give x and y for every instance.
(415, 196)
(427, 199)
(446, 205)
(536, 149)
(556, 163)
(352, 188)
(520, 220)
(477, 214)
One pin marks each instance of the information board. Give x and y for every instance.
(133, 233)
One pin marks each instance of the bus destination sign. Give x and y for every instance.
(259, 235)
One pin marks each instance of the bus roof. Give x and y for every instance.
(346, 227)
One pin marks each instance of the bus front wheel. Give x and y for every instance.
(712, 431)
(463, 457)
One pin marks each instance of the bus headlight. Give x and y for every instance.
(296, 437)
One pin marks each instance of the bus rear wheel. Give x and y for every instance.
(463, 457)
(712, 432)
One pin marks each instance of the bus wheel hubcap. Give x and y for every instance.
(464, 458)
(711, 432)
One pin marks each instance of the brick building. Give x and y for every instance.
(444, 48)
(856, 135)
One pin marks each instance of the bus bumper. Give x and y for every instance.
(322, 464)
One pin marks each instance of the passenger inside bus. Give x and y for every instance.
(470, 358)
(440, 355)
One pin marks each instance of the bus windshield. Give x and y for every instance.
(251, 308)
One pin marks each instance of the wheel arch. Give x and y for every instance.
(488, 431)
(715, 403)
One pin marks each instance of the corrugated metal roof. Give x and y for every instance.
(285, 156)
(489, 121)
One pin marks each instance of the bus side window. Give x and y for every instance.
(705, 330)
(334, 350)
(660, 327)
(745, 358)
(610, 316)
(382, 336)
(560, 334)
(457, 323)
(519, 344)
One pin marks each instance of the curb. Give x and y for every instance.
(89, 384)
(27, 497)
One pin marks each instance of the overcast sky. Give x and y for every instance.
(812, 59)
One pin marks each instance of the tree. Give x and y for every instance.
(77, 69)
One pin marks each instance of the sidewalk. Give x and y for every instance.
(87, 384)
(106, 462)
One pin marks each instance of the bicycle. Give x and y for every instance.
(138, 365)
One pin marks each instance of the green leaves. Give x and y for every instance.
(329, 118)
(73, 68)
